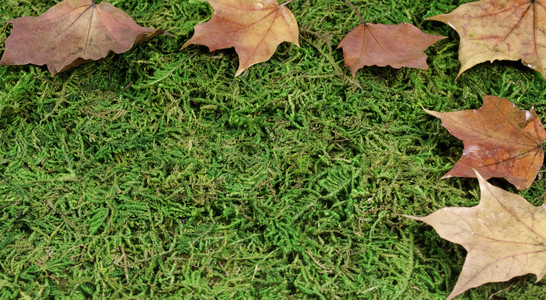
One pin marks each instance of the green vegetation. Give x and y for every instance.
(156, 173)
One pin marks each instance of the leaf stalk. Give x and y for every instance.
(287, 2)
(356, 11)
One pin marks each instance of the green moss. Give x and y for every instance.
(156, 173)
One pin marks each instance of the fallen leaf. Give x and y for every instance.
(400, 45)
(504, 235)
(499, 141)
(500, 30)
(254, 27)
(71, 33)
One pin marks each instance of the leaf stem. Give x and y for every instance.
(356, 11)
(286, 2)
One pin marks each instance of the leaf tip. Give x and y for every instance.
(239, 71)
(482, 181)
(414, 218)
(459, 74)
(408, 216)
(186, 44)
(447, 175)
(431, 112)
(452, 295)
(480, 178)
(438, 18)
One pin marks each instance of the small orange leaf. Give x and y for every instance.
(500, 30)
(254, 27)
(499, 141)
(400, 45)
(504, 235)
(71, 33)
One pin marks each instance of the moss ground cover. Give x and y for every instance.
(156, 173)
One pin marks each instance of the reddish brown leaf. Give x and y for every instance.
(500, 30)
(400, 45)
(71, 33)
(254, 27)
(504, 236)
(499, 141)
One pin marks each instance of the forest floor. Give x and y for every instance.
(157, 173)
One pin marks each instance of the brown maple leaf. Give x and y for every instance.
(400, 45)
(500, 30)
(71, 33)
(254, 27)
(504, 235)
(499, 141)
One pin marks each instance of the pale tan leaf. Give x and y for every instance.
(500, 30)
(504, 235)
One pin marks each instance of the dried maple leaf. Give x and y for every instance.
(500, 30)
(71, 33)
(504, 235)
(254, 27)
(499, 141)
(400, 45)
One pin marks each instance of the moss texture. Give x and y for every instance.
(156, 173)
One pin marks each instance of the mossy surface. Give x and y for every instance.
(155, 173)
